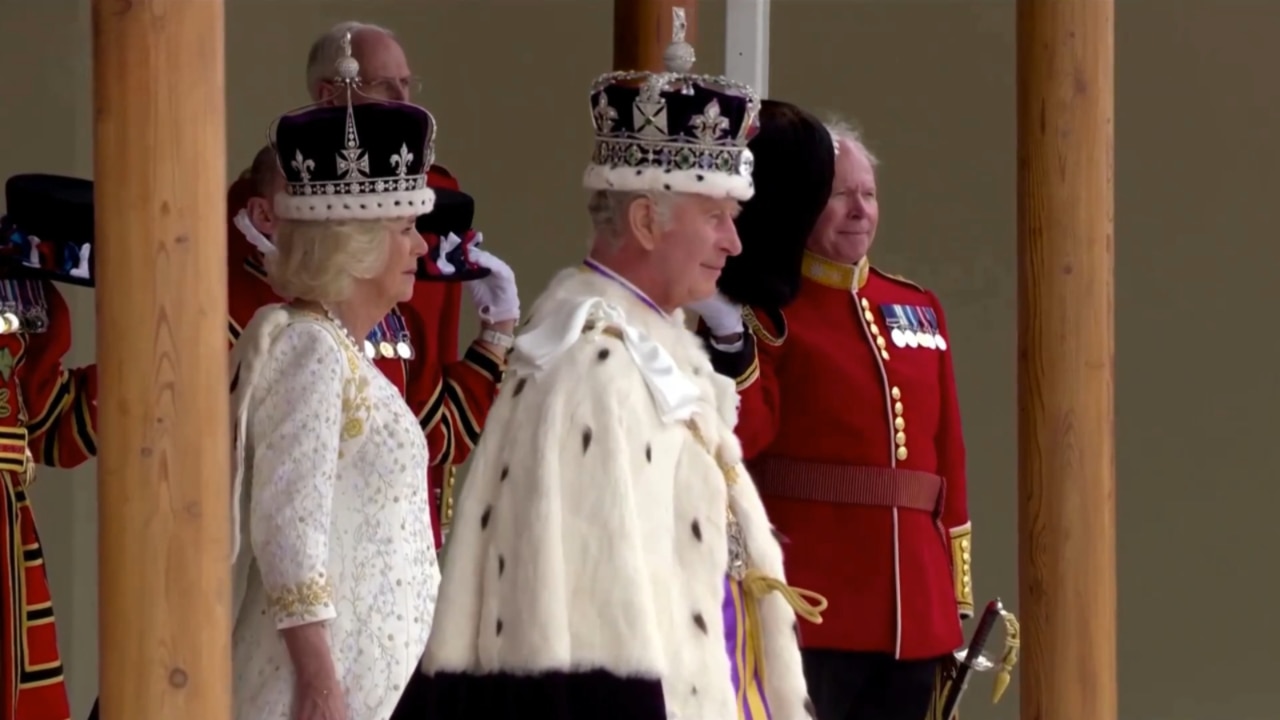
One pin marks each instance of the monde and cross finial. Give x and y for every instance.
(679, 56)
(347, 66)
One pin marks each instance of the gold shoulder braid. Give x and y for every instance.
(764, 336)
(806, 603)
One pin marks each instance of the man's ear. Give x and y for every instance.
(261, 216)
(642, 221)
(326, 91)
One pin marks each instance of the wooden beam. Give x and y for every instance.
(160, 182)
(642, 32)
(1066, 356)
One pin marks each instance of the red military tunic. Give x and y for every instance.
(856, 445)
(47, 416)
(451, 397)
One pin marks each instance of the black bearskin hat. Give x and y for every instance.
(794, 170)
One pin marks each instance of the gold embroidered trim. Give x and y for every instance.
(301, 601)
(832, 274)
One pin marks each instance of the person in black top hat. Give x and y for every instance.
(335, 565)
(48, 416)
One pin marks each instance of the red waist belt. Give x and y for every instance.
(848, 484)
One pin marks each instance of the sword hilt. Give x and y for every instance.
(972, 660)
(983, 632)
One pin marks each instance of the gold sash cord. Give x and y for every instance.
(806, 603)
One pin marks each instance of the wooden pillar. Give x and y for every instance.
(1066, 421)
(160, 183)
(642, 32)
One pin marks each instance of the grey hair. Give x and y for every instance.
(842, 131)
(325, 52)
(608, 211)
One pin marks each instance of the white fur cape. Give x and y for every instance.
(591, 535)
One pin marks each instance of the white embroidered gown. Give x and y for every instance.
(335, 521)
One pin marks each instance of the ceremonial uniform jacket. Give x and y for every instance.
(588, 555)
(451, 397)
(856, 447)
(47, 417)
(328, 503)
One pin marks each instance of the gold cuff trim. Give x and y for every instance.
(751, 375)
(961, 566)
(13, 449)
(306, 600)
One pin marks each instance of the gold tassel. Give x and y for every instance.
(1012, 642)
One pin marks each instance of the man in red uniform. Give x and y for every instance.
(47, 417)
(850, 418)
(451, 396)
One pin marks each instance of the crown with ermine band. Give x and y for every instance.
(673, 131)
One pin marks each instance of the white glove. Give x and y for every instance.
(495, 295)
(722, 315)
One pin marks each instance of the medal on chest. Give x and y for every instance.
(23, 306)
(913, 326)
(389, 339)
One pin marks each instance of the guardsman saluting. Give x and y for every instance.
(47, 417)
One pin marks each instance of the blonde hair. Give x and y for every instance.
(318, 260)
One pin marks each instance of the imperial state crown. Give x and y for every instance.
(673, 131)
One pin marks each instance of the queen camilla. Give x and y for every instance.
(335, 566)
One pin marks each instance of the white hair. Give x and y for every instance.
(608, 211)
(325, 52)
(842, 131)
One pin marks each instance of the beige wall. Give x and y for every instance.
(932, 83)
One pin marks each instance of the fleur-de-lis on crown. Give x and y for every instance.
(401, 160)
(302, 165)
(708, 126)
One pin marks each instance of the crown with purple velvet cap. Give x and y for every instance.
(365, 161)
(673, 131)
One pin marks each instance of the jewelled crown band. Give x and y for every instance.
(333, 173)
(673, 131)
